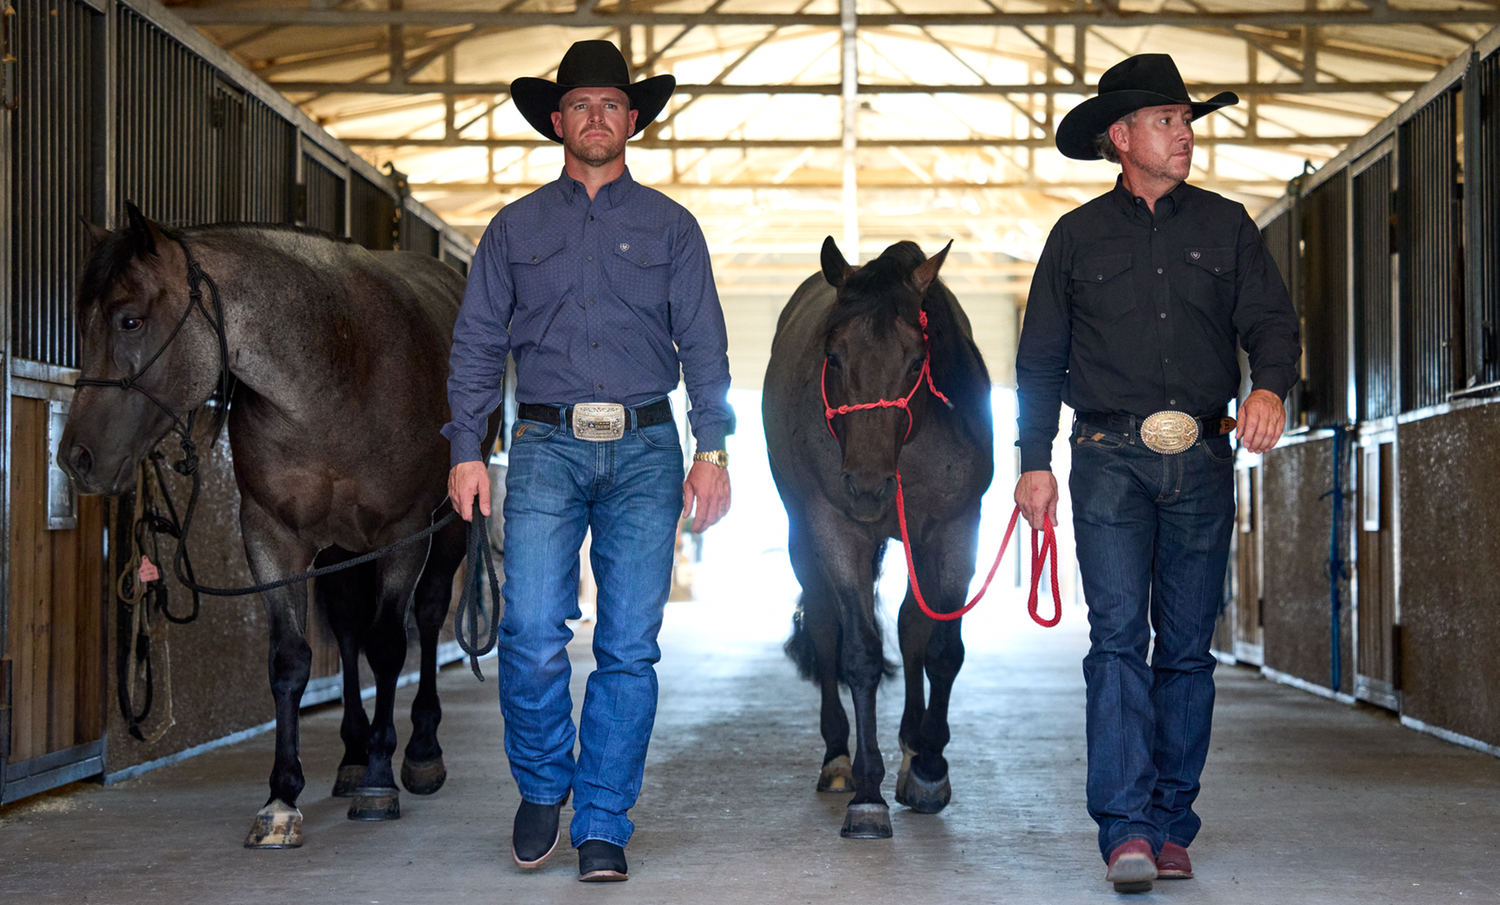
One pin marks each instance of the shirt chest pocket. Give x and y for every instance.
(640, 271)
(1210, 277)
(1101, 287)
(536, 268)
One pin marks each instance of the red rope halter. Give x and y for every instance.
(1038, 555)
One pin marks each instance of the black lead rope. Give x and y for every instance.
(467, 620)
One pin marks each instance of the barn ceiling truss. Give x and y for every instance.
(866, 119)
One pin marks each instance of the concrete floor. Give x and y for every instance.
(1304, 800)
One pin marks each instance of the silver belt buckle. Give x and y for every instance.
(598, 421)
(1169, 432)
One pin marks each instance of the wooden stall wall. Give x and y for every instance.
(55, 647)
(1450, 573)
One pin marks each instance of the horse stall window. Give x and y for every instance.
(372, 214)
(325, 197)
(270, 165)
(51, 162)
(420, 236)
(1374, 353)
(1323, 302)
(1482, 244)
(1430, 268)
(169, 147)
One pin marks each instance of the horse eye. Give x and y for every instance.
(132, 323)
(914, 367)
(833, 361)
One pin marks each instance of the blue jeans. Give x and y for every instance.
(629, 492)
(1153, 536)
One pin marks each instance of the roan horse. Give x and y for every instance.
(339, 358)
(887, 331)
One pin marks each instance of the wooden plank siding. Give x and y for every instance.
(56, 604)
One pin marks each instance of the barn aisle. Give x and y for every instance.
(1305, 801)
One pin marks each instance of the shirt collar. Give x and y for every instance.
(611, 195)
(1134, 207)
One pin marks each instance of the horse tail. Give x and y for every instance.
(799, 647)
(802, 651)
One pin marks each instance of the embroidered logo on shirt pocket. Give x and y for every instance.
(1217, 261)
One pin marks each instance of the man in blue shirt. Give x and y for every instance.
(601, 289)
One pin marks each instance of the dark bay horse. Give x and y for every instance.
(852, 337)
(339, 358)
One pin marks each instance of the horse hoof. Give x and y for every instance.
(837, 775)
(867, 821)
(921, 795)
(277, 825)
(351, 777)
(375, 803)
(423, 777)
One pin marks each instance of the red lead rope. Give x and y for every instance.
(1038, 561)
(1038, 556)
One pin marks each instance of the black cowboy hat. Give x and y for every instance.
(590, 64)
(1144, 80)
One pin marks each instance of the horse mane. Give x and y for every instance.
(110, 258)
(957, 367)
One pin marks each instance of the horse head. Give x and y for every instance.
(138, 336)
(876, 360)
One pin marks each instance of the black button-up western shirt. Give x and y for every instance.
(1133, 312)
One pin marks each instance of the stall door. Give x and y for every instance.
(1377, 676)
(1249, 634)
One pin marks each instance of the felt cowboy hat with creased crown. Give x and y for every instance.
(590, 64)
(1144, 80)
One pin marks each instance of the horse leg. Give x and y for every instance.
(862, 664)
(385, 649)
(945, 564)
(422, 770)
(814, 646)
(837, 774)
(273, 552)
(341, 595)
(914, 630)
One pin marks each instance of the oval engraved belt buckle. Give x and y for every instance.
(598, 421)
(1169, 432)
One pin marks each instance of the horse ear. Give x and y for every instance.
(143, 231)
(927, 271)
(835, 269)
(97, 234)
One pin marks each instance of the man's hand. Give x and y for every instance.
(707, 485)
(1262, 419)
(1036, 494)
(464, 481)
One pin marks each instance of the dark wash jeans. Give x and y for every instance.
(629, 491)
(1153, 537)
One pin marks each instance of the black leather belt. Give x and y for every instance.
(1208, 426)
(652, 413)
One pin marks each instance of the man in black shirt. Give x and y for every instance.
(1139, 302)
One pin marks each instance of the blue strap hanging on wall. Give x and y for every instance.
(1338, 569)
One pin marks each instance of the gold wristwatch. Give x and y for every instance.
(717, 456)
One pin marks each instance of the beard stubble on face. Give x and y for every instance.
(598, 150)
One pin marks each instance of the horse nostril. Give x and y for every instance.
(889, 490)
(849, 489)
(80, 459)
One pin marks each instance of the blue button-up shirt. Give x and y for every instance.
(602, 300)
